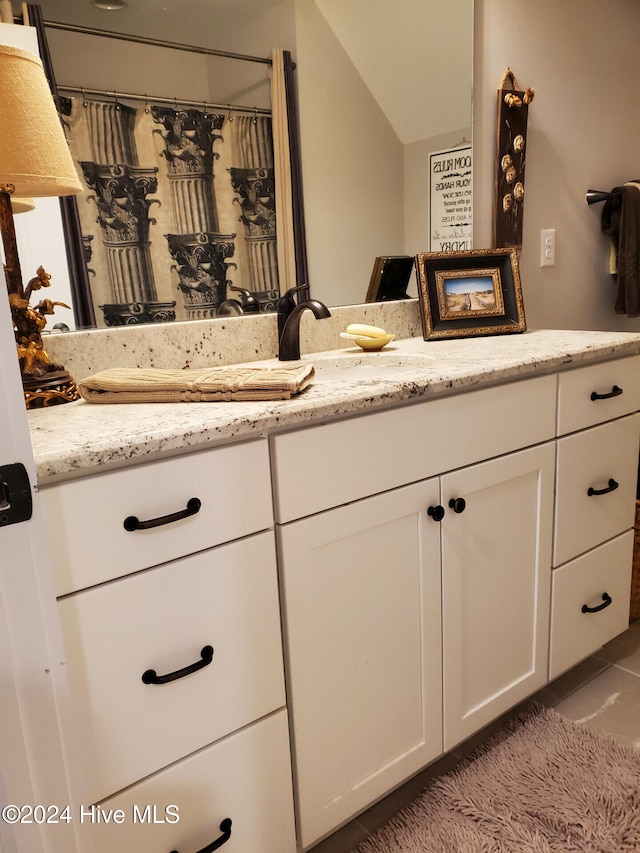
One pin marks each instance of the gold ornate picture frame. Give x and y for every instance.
(465, 294)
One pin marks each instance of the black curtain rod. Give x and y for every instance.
(152, 99)
(73, 28)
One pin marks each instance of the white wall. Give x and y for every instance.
(415, 61)
(582, 59)
(351, 158)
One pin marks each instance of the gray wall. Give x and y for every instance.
(582, 59)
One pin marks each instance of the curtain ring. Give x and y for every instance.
(255, 115)
(84, 98)
(229, 116)
(146, 103)
(116, 102)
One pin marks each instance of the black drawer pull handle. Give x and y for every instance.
(150, 676)
(615, 392)
(132, 523)
(458, 504)
(225, 828)
(436, 512)
(606, 601)
(610, 488)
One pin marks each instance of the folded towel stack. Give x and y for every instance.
(205, 385)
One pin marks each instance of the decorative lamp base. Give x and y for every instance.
(51, 389)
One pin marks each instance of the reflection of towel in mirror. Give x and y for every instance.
(621, 221)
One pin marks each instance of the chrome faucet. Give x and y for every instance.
(289, 321)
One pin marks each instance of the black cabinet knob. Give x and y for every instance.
(436, 512)
(458, 504)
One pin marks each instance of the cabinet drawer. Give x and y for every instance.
(576, 634)
(588, 395)
(246, 777)
(85, 518)
(596, 459)
(355, 458)
(161, 619)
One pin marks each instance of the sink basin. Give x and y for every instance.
(365, 367)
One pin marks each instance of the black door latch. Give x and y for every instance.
(16, 503)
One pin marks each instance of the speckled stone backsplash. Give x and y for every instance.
(229, 340)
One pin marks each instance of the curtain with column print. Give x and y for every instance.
(178, 217)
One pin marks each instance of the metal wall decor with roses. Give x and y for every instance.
(513, 110)
(178, 216)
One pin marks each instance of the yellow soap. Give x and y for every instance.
(365, 331)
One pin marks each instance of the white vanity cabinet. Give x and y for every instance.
(379, 591)
(173, 639)
(597, 464)
(432, 565)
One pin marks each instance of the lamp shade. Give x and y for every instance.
(34, 155)
(22, 205)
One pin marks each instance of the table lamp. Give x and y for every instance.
(34, 162)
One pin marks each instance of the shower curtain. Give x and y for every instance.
(178, 215)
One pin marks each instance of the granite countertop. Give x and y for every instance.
(83, 438)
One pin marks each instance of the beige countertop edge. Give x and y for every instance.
(81, 438)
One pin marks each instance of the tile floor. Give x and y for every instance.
(602, 692)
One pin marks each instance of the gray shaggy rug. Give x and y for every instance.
(541, 783)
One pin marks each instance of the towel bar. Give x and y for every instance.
(595, 196)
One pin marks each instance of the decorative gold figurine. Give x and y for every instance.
(45, 383)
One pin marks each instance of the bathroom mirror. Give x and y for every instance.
(378, 93)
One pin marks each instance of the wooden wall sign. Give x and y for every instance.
(511, 150)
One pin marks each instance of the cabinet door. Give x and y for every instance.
(362, 610)
(496, 569)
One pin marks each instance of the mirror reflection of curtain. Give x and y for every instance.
(83, 311)
(179, 211)
(292, 252)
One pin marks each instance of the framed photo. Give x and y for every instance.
(464, 294)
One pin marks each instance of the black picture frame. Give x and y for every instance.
(390, 278)
(468, 294)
